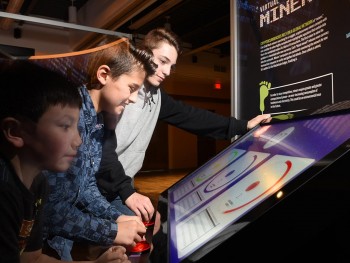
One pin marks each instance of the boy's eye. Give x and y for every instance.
(65, 126)
(133, 89)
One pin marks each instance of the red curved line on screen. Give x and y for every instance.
(289, 166)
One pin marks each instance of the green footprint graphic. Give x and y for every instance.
(282, 117)
(264, 92)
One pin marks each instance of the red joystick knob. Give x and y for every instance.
(148, 224)
(141, 247)
(144, 246)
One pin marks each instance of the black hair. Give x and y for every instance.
(28, 90)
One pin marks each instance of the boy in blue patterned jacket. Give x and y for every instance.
(76, 210)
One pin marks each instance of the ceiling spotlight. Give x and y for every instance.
(72, 13)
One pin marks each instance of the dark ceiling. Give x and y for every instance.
(200, 23)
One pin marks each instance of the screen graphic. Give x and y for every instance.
(257, 166)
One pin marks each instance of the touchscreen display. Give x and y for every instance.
(253, 168)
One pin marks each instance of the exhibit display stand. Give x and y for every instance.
(275, 193)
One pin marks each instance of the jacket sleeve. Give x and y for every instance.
(199, 121)
(76, 209)
(68, 216)
(111, 178)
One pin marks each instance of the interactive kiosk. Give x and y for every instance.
(277, 193)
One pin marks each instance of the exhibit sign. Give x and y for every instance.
(292, 56)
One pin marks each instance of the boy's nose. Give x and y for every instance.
(133, 97)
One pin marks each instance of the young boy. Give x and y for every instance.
(76, 210)
(39, 113)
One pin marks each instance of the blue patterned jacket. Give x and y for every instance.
(76, 210)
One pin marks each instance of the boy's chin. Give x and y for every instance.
(154, 82)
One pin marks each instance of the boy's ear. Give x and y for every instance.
(102, 73)
(12, 131)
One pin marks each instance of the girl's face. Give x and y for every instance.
(165, 57)
(53, 141)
